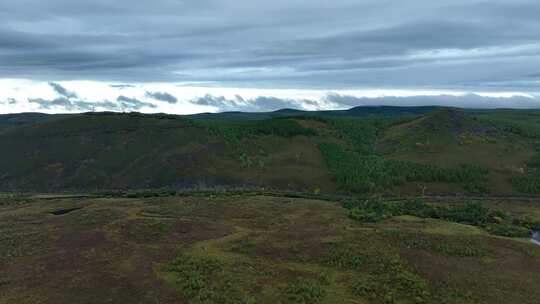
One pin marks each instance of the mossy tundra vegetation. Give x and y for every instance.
(380, 205)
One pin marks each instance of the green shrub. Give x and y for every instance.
(365, 216)
(368, 172)
(527, 184)
(508, 230)
(527, 223)
(468, 213)
(364, 287)
(390, 283)
(305, 292)
(461, 251)
(235, 131)
(193, 274)
(494, 221)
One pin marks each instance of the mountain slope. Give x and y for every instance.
(397, 151)
(111, 151)
(451, 137)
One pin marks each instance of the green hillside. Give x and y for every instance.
(450, 138)
(390, 150)
(126, 151)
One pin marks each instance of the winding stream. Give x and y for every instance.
(535, 237)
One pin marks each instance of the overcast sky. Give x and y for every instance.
(185, 56)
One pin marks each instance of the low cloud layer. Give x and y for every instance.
(73, 97)
(462, 101)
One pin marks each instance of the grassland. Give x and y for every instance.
(246, 248)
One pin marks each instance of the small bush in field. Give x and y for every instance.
(305, 293)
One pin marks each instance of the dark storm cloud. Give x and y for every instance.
(459, 44)
(259, 104)
(62, 91)
(162, 96)
(65, 104)
(133, 104)
(122, 86)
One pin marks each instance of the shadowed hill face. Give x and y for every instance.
(438, 130)
(445, 120)
(448, 121)
(119, 151)
(361, 111)
(15, 120)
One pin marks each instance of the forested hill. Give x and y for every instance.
(361, 111)
(368, 150)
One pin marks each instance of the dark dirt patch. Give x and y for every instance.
(65, 211)
(83, 239)
(76, 250)
(179, 232)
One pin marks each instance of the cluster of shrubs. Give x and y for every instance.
(357, 172)
(494, 221)
(529, 183)
(9, 200)
(392, 283)
(235, 131)
(358, 168)
(305, 292)
(203, 280)
(149, 193)
(382, 277)
(511, 125)
(360, 133)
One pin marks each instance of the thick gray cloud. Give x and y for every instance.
(70, 102)
(162, 96)
(64, 104)
(132, 104)
(259, 104)
(62, 91)
(468, 45)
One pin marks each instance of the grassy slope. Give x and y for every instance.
(236, 249)
(449, 138)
